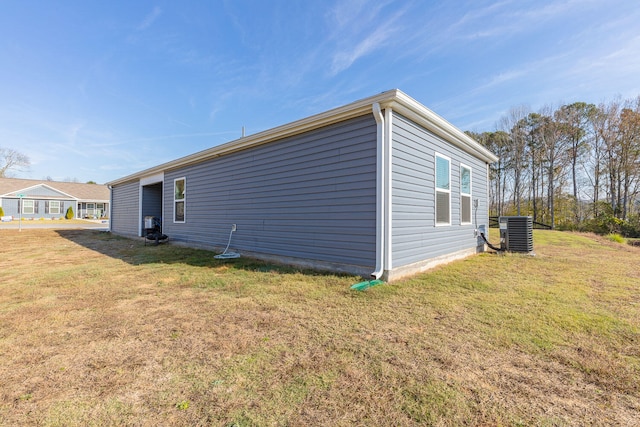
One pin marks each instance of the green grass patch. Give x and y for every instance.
(617, 238)
(108, 331)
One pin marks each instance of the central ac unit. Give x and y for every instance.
(516, 233)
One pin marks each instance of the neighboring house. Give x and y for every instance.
(35, 199)
(382, 187)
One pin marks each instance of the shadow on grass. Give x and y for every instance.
(134, 251)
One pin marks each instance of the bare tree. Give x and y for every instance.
(610, 134)
(554, 153)
(498, 143)
(12, 159)
(533, 127)
(513, 123)
(630, 153)
(596, 129)
(573, 121)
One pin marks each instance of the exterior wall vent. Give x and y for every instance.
(516, 233)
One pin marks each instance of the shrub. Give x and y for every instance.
(615, 237)
(69, 214)
(607, 223)
(1, 211)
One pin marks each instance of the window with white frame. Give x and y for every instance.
(27, 207)
(465, 194)
(179, 199)
(54, 207)
(443, 190)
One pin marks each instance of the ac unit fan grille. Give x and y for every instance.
(520, 233)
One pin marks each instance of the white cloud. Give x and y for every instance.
(149, 19)
(376, 40)
(359, 28)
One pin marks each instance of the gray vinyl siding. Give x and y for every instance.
(10, 207)
(41, 191)
(125, 209)
(415, 236)
(312, 196)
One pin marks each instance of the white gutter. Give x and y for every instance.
(380, 192)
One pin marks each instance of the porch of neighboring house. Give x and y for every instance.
(92, 210)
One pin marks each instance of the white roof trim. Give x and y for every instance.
(417, 112)
(92, 200)
(395, 98)
(14, 194)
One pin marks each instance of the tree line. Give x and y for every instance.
(572, 167)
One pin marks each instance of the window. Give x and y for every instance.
(54, 207)
(179, 198)
(465, 194)
(27, 207)
(443, 190)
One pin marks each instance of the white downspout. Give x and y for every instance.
(388, 188)
(380, 191)
(110, 205)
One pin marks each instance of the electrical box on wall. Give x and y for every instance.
(516, 233)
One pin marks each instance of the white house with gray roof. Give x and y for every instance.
(382, 187)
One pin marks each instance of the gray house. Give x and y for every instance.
(382, 187)
(36, 199)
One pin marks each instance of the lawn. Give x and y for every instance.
(100, 330)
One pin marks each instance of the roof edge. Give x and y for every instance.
(14, 194)
(422, 115)
(394, 98)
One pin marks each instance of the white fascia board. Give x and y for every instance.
(420, 114)
(395, 98)
(14, 194)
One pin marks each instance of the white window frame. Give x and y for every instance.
(23, 208)
(441, 190)
(54, 207)
(467, 195)
(183, 200)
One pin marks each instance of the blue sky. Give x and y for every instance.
(98, 90)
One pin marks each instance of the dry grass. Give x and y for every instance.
(101, 330)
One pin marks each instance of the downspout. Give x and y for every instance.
(388, 188)
(380, 191)
(110, 187)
